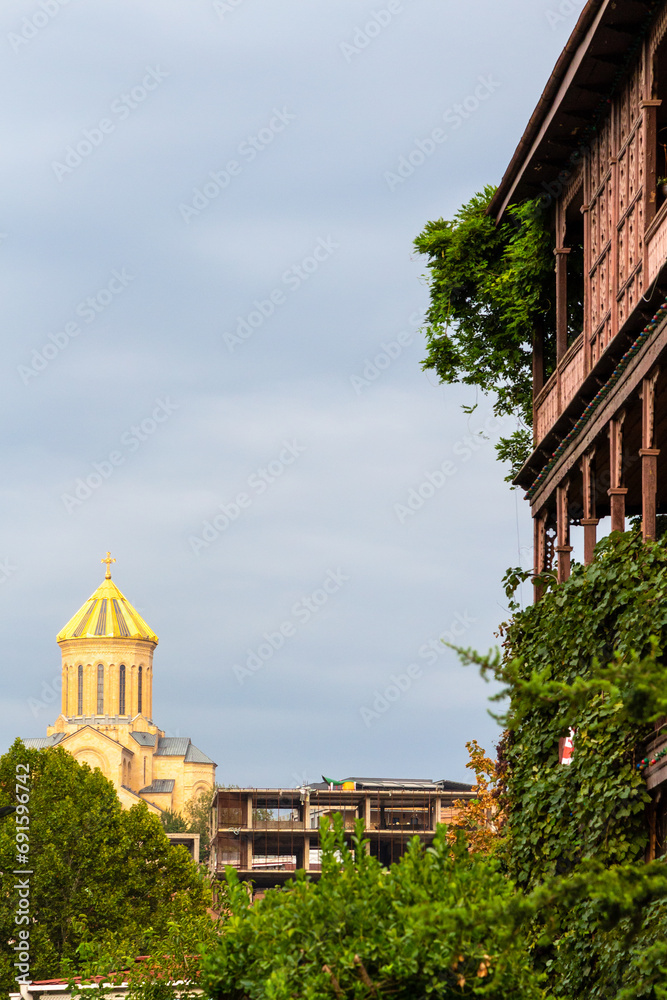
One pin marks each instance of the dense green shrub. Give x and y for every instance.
(441, 923)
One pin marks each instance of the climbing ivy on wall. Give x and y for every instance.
(588, 657)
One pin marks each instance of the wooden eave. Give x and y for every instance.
(583, 77)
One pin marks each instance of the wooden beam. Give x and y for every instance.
(563, 548)
(589, 521)
(561, 301)
(539, 552)
(649, 456)
(538, 360)
(617, 492)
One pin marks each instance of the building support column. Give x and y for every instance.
(561, 301)
(616, 492)
(649, 456)
(564, 549)
(539, 553)
(589, 521)
(586, 212)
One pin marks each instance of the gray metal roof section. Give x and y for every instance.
(41, 742)
(144, 739)
(162, 786)
(393, 782)
(173, 746)
(197, 756)
(454, 786)
(181, 746)
(405, 784)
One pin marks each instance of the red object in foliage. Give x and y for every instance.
(566, 748)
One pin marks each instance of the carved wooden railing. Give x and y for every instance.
(559, 391)
(656, 244)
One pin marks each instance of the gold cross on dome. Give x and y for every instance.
(108, 561)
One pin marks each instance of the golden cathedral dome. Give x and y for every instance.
(107, 614)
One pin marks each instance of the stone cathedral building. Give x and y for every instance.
(106, 716)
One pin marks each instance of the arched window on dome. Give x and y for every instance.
(121, 690)
(140, 689)
(100, 689)
(79, 706)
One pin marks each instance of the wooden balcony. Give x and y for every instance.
(559, 391)
(656, 244)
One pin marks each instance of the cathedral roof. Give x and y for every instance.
(107, 614)
(41, 742)
(181, 746)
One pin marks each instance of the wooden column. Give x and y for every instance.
(539, 552)
(649, 456)
(564, 549)
(613, 196)
(561, 253)
(589, 521)
(561, 301)
(617, 492)
(538, 360)
(586, 211)
(652, 839)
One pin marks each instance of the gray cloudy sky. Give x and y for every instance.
(205, 246)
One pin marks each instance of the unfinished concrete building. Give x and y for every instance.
(266, 834)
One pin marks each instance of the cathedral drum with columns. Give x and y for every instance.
(106, 719)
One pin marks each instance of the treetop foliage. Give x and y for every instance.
(491, 287)
(100, 873)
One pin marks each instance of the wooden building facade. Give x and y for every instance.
(595, 153)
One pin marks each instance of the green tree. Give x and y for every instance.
(198, 819)
(492, 292)
(98, 872)
(173, 822)
(195, 818)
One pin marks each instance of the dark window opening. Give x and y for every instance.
(121, 690)
(79, 707)
(100, 689)
(660, 93)
(140, 690)
(574, 239)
